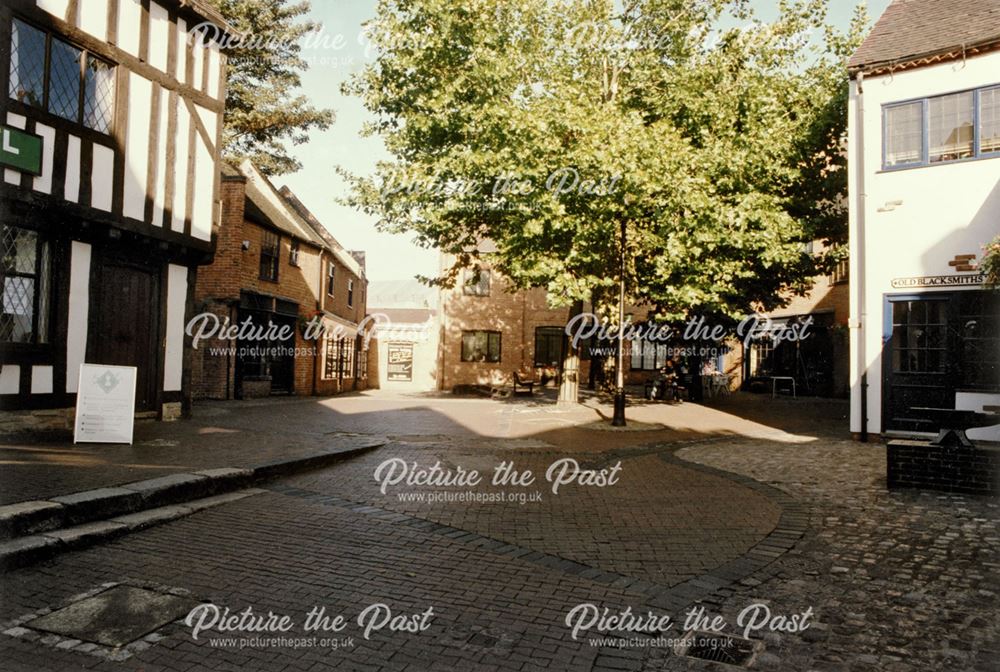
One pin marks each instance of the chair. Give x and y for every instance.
(525, 384)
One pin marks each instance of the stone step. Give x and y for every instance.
(39, 517)
(27, 518)
(34, 548)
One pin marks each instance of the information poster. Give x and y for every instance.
(400, 362)
(105, 404)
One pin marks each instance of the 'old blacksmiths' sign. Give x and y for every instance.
(939, 281)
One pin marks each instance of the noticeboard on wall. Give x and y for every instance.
(400, 364)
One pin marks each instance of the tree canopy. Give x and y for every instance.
(264, 110)
(543, 125)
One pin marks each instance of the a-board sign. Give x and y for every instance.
(105, 404)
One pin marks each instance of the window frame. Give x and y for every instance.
(331, 278)
(979, 122)
(482, 288)
(44, 282)
(546, 333)
(330, 359)
(640, 348)
(85, 56)
(293, 252)
(273, 257)
(350, 292)
(977, 153)
(486, 359)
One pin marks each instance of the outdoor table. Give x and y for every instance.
(774, 386)
(953, 424)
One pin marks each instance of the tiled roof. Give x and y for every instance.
(332, 244)
(268, 205)
(914, 29)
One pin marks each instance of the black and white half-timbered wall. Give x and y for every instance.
(102, 238)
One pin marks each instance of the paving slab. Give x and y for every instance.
(116, 616)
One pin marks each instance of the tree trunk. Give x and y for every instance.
(569, 373)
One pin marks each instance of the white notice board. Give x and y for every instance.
(105, 404)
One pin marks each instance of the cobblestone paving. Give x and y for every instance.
(288, 555)
(659, 522)
(243, 433)
(898, 581)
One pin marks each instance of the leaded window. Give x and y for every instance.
(26, 284)
(904, 135)
(77, 86)
(919, 336)
(989, 120)
(950, 128)
(942, 129)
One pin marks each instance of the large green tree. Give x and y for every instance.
(719, 147)
(265, 110)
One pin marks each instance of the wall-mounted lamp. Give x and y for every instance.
(246, 245)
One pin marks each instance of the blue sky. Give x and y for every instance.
(389, 257)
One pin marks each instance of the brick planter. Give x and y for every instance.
(917, 464)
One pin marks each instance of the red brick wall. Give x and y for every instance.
(220, 279)
(218, 290)
(515, 315)
(337, 304)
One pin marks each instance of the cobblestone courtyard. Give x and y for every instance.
(740, 502)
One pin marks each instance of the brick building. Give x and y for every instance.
(277, 269)
(819, 364)
(487, 333)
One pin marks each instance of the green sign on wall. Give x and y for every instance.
(21, 151)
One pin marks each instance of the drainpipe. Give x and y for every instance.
(860, 250)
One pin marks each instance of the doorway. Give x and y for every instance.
(125, 324)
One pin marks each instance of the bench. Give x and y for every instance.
(525, 384)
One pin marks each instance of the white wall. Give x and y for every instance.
(173, 358)
(944, 211)
(79, 309)
(424, 340)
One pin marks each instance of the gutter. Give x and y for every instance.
(862, 304)
(925, 58)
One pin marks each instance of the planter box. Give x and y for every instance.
(917, 464)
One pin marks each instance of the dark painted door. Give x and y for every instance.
(270, 357)
(283, 358)
(920, 361)
(125, 310)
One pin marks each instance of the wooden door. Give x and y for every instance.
(919, 361)
(125, 325)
